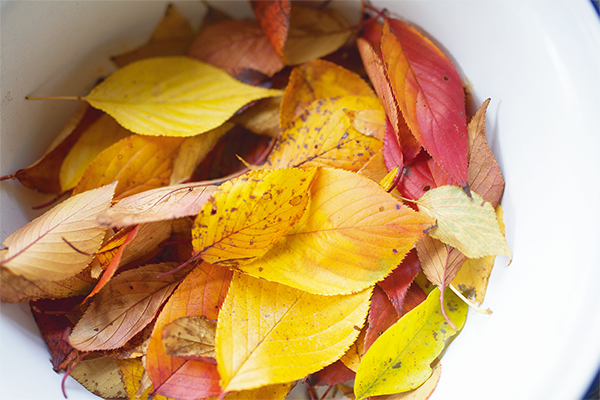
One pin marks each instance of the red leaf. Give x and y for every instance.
(429, 93)
(414, 296)
(201, 293)
(274, 19)
(382, 315)
(397, 283)
(421, 175)
(331, 375)
(392, 150)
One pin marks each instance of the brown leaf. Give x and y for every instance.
(125, 306)
(39, 250)
(160, 204)
(43, 175)
(100, 376)
(262, 118)
(234, 46)
(190, 337)
(138, 163)
(171, 37)
(485, 177)
(440, 262)
(274, 19)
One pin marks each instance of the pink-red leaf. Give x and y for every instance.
(274, 19)
(429, 93)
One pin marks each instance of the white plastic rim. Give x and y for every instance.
(538, 61)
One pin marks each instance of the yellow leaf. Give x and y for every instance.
(472, 279)
(422, 392)
(399, 360)
(470, 225)
(369, 122)
(355, 353)
(38, 250)
(247, 215)
(133, 375)
(261, 324)
(324, 136)
(375, 168)
(313, 34)
(318, 79)
(354, 235)
(103, 133)
(138, 163)
(160, 204)
(270, 392)
(172, 96)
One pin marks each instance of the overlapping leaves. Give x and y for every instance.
(301, 256)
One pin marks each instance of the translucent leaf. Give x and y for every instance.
(354, 235)
(470, 225)
(160, 204)
(38, 251)
(190, 337)
(440, 262)
(247, 215)
(172, 96)
(262, 323)
(400, 359)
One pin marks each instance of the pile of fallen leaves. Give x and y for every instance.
(246, 210)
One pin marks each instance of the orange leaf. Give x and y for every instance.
(318, 79)
(235, 46)
(274, 19)
(201, 293)
(430, 95)
(354, 235)
(138, 163)
(485, 177)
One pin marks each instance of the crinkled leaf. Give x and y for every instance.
(101, 134)
(324, 136)
(472, 279)
(234, 46)
(201, 293)
(429, 93)
(440, 262)
(274, 19)
(248, 215)
(485, 177)
(193, 150)
(400, 359)
(470, 225)
(125, 306)
(190, 337)
(262, 323)
(100, 376)
(318, 79)
(138, 163)
(353, 235)
(313, 34)
(172, 96)
(43, 175)
(171, 37)
(171, 202)
(38, 250)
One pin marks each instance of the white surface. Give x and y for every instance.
(538, 61)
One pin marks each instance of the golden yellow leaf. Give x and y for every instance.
(368, 122)
(324, 136)
(38, 251)
(100, 376)
(354, 235)
(472, 279)
(138, 163)
(470, 225)
(262, 118)
(271, 392)
(313, 34)
(422, 392)
(103, 133)
(247, 215)
(171, 37)
(352, 357)
(318, 79)
(375, 168)
(172, 96)
(193, 150)
(170, 202)
(262, 323)
(133, 376)
(190, 337)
